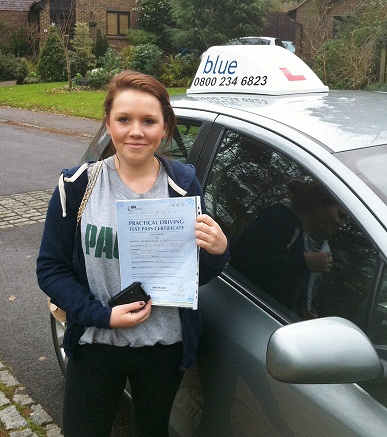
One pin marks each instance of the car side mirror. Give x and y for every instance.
(330, 350)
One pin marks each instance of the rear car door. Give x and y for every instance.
(245, 168)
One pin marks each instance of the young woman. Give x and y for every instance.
(78, 268)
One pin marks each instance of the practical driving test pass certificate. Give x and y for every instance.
(156, 244)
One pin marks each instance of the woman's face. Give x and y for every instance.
(330, 218)
(136, 126)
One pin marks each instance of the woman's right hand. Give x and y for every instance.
(319, 261)
(131, 314)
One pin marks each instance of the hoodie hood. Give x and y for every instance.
(184, 173)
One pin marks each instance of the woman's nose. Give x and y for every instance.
(136, 129)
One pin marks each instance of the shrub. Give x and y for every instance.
(352, 59)
(79, 80)
(82, 56)
(127, 54)
(99, 77)
(13, 68)
(137, 37)
(51, 65)
(31, 77)
(19, 45)
(147, 59)
(179, 70)
(110, 61)
(101, 45)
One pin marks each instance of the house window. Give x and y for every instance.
(118, 23)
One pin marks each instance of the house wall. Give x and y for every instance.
(280, 26)
(94, 13)
(45, 21)
(316, 23)
(35, 22)
(13, 21)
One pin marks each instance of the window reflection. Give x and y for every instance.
(306, 253)
(183, 139)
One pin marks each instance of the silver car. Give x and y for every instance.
(263, 368)
(256, 40)
(289, 45)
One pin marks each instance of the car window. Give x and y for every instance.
(378, 335)
(378, 325)
(183, 138)
(248, 194)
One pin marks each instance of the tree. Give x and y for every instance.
(63, 16)
(155, 16)
(82, 56)
(351, 60)
(203, 23)
(51, 65)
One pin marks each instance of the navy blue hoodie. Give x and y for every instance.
(61, 268)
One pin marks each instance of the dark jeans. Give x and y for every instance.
(95, 381)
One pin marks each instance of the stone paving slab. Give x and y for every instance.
(24, 209)
(19, 412)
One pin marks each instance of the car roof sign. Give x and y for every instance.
(267, 70)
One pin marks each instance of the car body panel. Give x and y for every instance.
(261, 405)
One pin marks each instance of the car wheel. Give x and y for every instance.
(57, 330)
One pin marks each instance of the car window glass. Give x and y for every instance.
(248, 194)
(378, 335)
(378, 325)
(183, 138)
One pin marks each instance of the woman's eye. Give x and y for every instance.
(123, 119)
(149, 121)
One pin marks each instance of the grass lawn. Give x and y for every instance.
(53, 97)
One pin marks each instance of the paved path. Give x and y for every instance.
(20, 415)
(23, 209)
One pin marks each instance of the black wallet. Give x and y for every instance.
(133, 293)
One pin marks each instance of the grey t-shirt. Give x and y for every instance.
(100, 246)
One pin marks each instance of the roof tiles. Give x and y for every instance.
(16, 5)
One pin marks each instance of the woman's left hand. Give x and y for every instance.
(209, 235)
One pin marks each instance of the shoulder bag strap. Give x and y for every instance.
(89, 187)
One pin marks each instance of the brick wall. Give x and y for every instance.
(45, 22)
(94, 11)
(316, 20)
(13, 21)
